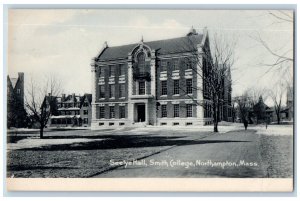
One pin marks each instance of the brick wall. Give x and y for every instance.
(116, 85)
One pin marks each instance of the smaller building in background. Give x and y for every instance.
(16, 113)
(71, 111)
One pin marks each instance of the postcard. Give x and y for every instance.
(150, 100)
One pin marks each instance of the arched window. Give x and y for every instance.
(141, 63)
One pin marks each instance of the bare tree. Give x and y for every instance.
(40, 100)
(277, 95)
(214, 68)
(282, 56)
(243, 105)
(254, 93)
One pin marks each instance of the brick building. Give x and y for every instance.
(151, 83)
(16, 114)
(71, 111)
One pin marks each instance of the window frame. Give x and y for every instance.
(189, 110)
(176, 87)
(102, 113)
(164, 111)
(112, 112)
(176, 110)
(112, 91)
(102, 93)
(122, 112)
(164, 89)
(189, 88)
(141, 89)
(122, 93)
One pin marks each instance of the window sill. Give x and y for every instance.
(112, 98)
(164, 96)
(176, 95)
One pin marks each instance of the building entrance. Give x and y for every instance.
(141, 113)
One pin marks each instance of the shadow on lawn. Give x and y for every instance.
(125, 141)
(25, 167)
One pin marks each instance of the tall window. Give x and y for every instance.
(189, 110)
(102, 72)
(122, 69)
(102, 112)
(122, 111)
(189, 86)
(176, 110)
(122, 90)
(111, 112)
(102, 91)
(164, 88)
(164, 112)
(85, 112)
(142, 88)
(85, 121)
(175, 65)
(176, 87)
(111, 71)
(141, 63)
(111, 91)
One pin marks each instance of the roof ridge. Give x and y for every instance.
(155, 41)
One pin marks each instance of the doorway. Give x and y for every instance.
(141, 113)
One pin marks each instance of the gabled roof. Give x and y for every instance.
(89, 98)
(14, 82)
(169, 46)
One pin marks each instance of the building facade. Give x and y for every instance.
(16, 113)
(71, 111)
(151, 83)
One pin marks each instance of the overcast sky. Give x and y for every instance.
(63, 42)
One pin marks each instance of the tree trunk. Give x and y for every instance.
(41, 132)
(216, 126)
(278, 117)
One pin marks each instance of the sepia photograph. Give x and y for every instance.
(150, 94)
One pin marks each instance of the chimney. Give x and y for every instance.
(63, 97)
(105, 45)
(21, 76)
(73, 97)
